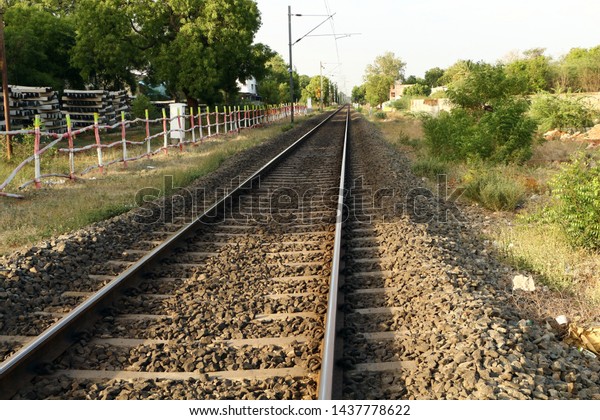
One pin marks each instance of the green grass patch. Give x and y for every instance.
(430, 167)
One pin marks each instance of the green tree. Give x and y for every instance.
(359, 94)
(579, 70)
(313, 90)
(197, 48)
(38, 44)
(434, 76)
(274, 87)
(457, 72)
(489, 122)
(381, 75)
(532, 73)
(417, 90)
(108, 48)
(476, 86)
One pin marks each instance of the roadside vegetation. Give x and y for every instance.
(490, 146)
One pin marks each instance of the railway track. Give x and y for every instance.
(233, 304)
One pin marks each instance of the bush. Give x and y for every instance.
(380, 115)
(577, 208)
(401, 104)
(502, 135)
(142, 103)
(22, 146)
(447, 135)
(563, 113)
(493, 189)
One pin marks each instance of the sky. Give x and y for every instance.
(423, 33)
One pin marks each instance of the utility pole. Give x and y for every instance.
(321, 91)
(5, 85)
(291, 70)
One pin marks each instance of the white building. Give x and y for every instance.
(249, 89)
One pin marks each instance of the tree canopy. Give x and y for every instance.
(313, 90)
(274, 85)
(197, 48)
(38, 44)
(381, 75)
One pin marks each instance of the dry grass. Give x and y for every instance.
(555, 151)
(60, 208)
(570, 273)
(396, 124)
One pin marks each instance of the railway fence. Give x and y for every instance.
(159, 135)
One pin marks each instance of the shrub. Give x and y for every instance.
(563, 113)
(502, 135)
(448, 135)
(577, 207)
(380, 115)
(493, 189)
(401, 104)
(142, 103)
(507, 132)
(22, 146)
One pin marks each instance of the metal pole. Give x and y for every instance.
(5, 86)
(291, 68)
(321, 92)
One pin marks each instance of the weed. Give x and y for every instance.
(430, 167)
(493, 189)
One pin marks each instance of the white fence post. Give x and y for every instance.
(200, 122)
(165, 133)
(71, 153)
(123, 138)
(148, 146)
(36, 151)
(98, 143)
(193, 122)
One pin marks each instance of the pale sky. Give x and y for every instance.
(424, 33)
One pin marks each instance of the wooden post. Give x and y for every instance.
(217, 118)
(98, 144)
(36, 153)
(4, 70)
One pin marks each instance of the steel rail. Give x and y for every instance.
(30, 359)
(328, 359)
